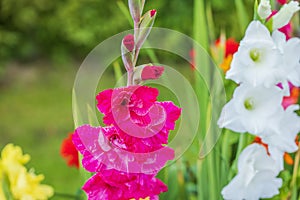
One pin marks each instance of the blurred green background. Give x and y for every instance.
(42, 44)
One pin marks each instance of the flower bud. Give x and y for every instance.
(127, 47)
(285, 14)
(135, 8)
(145, 27)
(147, 72)
(264, 9)
(128, 42)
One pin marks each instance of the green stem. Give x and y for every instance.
(224, 155)
(85, 175)
(295, 169)
(200, 180)
(241, 145)
(212, 177)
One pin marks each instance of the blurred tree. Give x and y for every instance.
(71, 28)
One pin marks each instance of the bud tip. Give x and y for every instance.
(152, 12)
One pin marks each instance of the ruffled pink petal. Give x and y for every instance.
(103, 148)
(137, 99)
(85, 139)
(96, 189)
(104, 101)
(113, 185)
(173, 113)
(143, 99)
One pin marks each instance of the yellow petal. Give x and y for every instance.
(28, 187)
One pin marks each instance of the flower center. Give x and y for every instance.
(255, 55)
(249, 104)
(115, 140)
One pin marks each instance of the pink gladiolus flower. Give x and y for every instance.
(116, 185)
(127, 154)
(139, 119)
(103, 149)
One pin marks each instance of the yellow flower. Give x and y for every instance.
(12, 161)
(28, 187)
(23, 185)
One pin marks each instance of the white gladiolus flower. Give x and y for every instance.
(260, 64)
(285, 14)
(264, 9)
(291, 56)
(257, 60)
(251, 109)
(284, 129)
(277, 155)
(256, 176)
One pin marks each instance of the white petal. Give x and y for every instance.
(257, 60)
(265, 185)
(285, 14)
(264, 9)
(292, 60)
(286, 126)
(256, 176)
(257, 31)
(266, 103)
(229, 119)
(277, 155)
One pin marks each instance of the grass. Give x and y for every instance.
(36, 114)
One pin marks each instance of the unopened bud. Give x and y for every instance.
(285, 14)
(147, 72)
(127, 47)
(145, 27)
(128, 42)
(264, 9)
(152, 72)
(135, 8)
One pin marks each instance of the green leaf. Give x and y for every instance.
(6, 188)
(93, 121)
(76, 113)
(242, 16)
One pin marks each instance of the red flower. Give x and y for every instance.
(282, 1)
(69, 152)
(231, 47)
